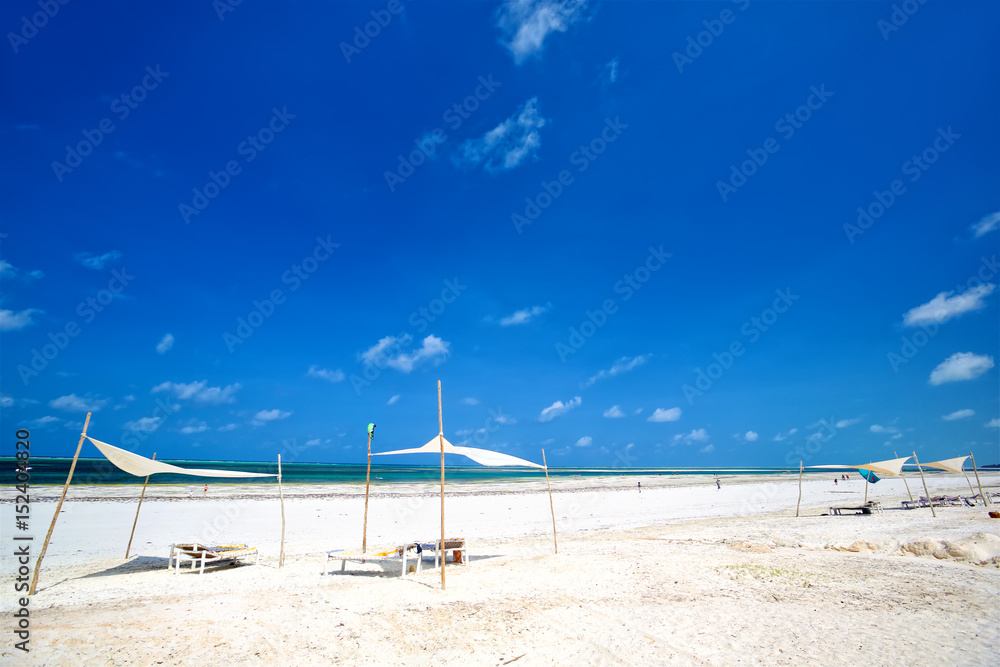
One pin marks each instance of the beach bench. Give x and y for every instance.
(455, 545)
(208, 555)
(872, 506)
(398, 554)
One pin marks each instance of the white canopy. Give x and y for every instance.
(141, 466)
(951, 465)
(890, 467)
(481, 456)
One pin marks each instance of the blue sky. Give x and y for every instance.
(632, 233)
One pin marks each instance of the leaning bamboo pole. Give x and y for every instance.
(552, 507)
(281, 495)
(798, 504)
(986, 499)
(904, 478)
(444, 554)
(924, 480)
(368, 476)
(45, 545)
(143, 495)
(867, 482)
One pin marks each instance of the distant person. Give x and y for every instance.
(835, 481)
(717, 485)
(639, 484)
(206, 489)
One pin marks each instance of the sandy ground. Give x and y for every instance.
(679, 574)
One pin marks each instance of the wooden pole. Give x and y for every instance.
(904, 479)
(866, 485)
(45, 545)
(281, 495)
(552, 507)
(924, 480)
(797, 505)
(132, 534)
(368, 476)
(986, 499)
(444, 554)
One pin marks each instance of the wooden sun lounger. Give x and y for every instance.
(398, 554)
(860, 509)
(202, 555)
(454, 544)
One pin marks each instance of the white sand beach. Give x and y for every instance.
(681, 573)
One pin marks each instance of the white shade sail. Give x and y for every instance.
(890, 467)
(951, 465)
(481, 456)
(141, 466)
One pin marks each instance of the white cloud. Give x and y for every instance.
(944, 306)
(585, 441)
(432, 350)
(844, 423)
(558, 409)
(661, 415)
(392, 400)
(508, 144)
(144, 425)
(696, 435)
(461, 433)
(313, 442)
(787, 434)
(548, 441)
(526, 23)
(42, 421)
(623, 365)
(993, 423)
(524, 316)
(611, 70)
(74, 403)
(324, 373)
(987, 224)
(877, 428)
(614, 412)
(165, 344)
(707, 449)
(11, 321)
(97, 262)
(195, 427)
(265, 416)
(8, 270)
(502, 419)
(961, 366)
(200, 392)
(6, 401)
(227, 427)
(468, 400)
(751, 436)
(958, 414)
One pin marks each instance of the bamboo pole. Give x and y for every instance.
(444, 554)
(552, 507)
(798, 504)
(281, 495)
(867, 482)
(924, 480)
(368, 475)
(904, 479)
(143, 495)
(45, 545)
(986, 499)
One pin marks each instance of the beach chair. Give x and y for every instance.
(397, 554)
(454, 545)
(201, 555)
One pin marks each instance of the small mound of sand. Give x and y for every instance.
(979, 549)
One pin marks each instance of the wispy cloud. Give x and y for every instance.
(787, 434)
(265, 416)
(558, 409)
(200, 392)
(614, 412)
(585, 441)
(707, 449)
(524, 316)
(44, 421)
(944, 306)
(696, 435)
(144, 425)
(751, 436)
(508, 144)
(8, 270)
(623, 365)
(11, 321)
(97, 262)
(325, 374)
(74, 403)
(194, 427)
(433, 350)
(392, 401)
(468, 400)
(844, 423)
(993, 423)
(227, 427)
(986, 225)
(961, 366)
(668, 415)
(958, 414)
(878, 428)
(526, 24)
(165, 344)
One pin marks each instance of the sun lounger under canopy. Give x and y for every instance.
(481, 456)
(141, 466)
(890, 467)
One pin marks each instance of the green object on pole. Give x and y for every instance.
(371, 430)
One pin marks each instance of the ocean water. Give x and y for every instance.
(53, 471)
